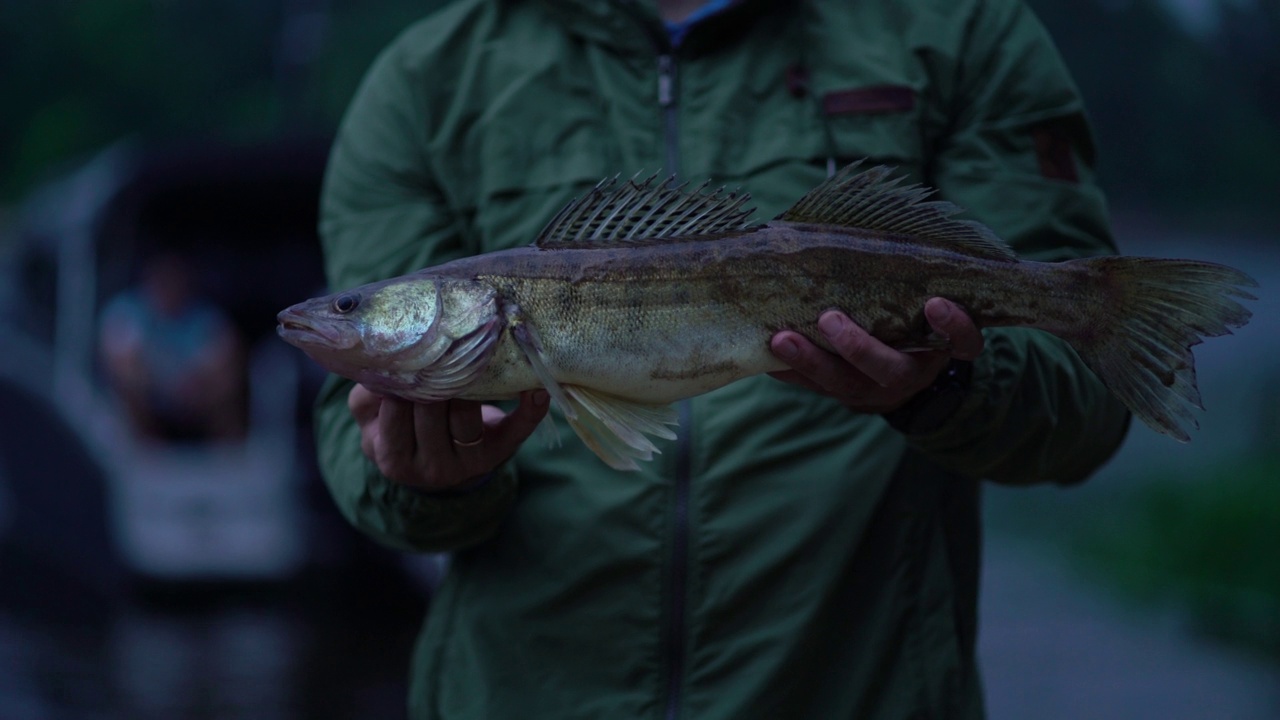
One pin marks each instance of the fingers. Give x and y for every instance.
(464, 440)
(864, 373)
(395, 445)
(817, 369)
(431, 427)
(884, 365)
(507, 433)
(466, 425)
(491, 414)
(438, 445)
(951, 322)
(363, 404)
(482, 436)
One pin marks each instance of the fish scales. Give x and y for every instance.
(612, 314)
(619, 327)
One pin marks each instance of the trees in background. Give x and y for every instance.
(78, 74)
(1184, 121)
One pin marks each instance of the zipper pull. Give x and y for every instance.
(666, 81)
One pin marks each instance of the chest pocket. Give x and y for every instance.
(785, 142)
(877, 122)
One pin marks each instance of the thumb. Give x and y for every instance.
(507, 433)
(951, 322)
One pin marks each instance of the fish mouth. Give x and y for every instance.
(296, 328)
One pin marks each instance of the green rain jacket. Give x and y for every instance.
(785, 557)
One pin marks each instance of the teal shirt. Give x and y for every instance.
(677, 30)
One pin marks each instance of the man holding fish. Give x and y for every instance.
(721, 544)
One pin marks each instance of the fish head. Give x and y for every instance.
(388, 333)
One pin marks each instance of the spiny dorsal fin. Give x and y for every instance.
(645, 211)
(872, 200)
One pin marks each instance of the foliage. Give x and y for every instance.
(79, 74)
(1211, 547)
(1185, 123)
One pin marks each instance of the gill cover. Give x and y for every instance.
(461, 339)
(427, 338)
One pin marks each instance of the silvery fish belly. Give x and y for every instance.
(640, 294)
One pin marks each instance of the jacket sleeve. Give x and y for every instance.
(1018, 154)
(382, 215)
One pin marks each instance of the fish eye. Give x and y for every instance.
(345, 303)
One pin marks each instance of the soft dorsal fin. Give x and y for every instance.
(873, 200)
(645, 211)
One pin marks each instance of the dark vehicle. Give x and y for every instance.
(174, 575)
(243, 218)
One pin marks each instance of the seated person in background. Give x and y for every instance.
(173, 357)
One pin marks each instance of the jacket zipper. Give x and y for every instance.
(667, 101)
(677, 583)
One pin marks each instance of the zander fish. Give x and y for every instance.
(640, 294)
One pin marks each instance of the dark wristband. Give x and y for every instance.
(468, 487)
(930, 408)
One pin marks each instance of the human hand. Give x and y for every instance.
(441, 445)
(865, 374)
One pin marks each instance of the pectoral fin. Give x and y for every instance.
(616, 429)
(547, 432)
(530, 344)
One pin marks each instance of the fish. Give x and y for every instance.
(642, 292)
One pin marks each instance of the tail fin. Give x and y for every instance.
(1161, 308)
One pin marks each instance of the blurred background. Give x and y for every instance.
(160, 162)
